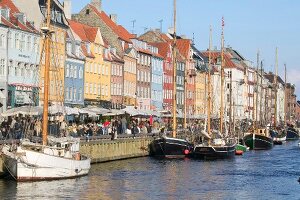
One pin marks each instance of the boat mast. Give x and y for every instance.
(47, 35)
(256, 92)
(222, 78)
(275, 85)
(174, 75)
(230, 104)
(209, 83)
(261, 94)
(285, 96)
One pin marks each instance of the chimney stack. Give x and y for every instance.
(114, 18)
(68, 8)
(97, 4)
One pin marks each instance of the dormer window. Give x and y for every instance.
(87, 11)
(69, 47)
(88, 48)
(5, 13)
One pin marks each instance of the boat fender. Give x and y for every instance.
(186, 152)
(239, 152)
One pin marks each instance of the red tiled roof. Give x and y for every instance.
(119, 30)
(13, 21)
(145, 51)
(215, 55)
(163, 48)
(183, 46)
(84, 51)
(85, 32)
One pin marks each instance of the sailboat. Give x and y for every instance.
(276, 133)
(214, 148)
(172, 147)
(55, 158)
(260, 138)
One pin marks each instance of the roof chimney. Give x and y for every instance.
(97, 4)
(68, 8)
(114, 18)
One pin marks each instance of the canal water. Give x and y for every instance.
(271, 174)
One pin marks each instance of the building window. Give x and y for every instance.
(80, 94)
(28, 43)
(68, 70)
(35, 44)
(67, 93)
(71, 93)
(75, 72)
(80, 75)
(17, 41)
(86, 88)
(2, 67)
(74, 93)
(22, 42)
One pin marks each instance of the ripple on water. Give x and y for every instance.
(271, 174)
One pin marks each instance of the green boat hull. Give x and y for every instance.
(241, 147)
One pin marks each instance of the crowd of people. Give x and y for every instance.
(18, 127)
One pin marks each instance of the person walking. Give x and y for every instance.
(124, 124)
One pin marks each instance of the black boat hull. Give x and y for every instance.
(258, 142)
(166, 147)
(292, 134)
(213, 152)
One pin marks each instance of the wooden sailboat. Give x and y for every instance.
(55, 158)
(276, 133)
(215, 148)
(172, 147)
(259, 139)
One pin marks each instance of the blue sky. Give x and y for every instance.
(249, 25)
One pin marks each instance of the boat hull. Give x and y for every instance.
(29, 165)
(213, 152)
(292, 134)
(166, 147)
(258, 142)
(241, 147)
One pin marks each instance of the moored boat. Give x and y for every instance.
(31, 162)
(278, 137)
(168, 147)
(258, 141)
(241, 147)
(217, 150)
(292, 134)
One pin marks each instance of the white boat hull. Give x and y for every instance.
(31, 165)
(281, 139)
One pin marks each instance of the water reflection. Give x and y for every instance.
(255, 175)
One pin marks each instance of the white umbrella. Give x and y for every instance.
(25, 110)
(114, 112)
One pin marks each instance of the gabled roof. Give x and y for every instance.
(217, 54)
(270, 76)
(163, 48)
(118, 29)
(13, 21)
(183, 46)
(85, 32)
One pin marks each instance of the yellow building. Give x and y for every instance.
(200, 93)
(58, 57)
(130, 59)
(97, 71)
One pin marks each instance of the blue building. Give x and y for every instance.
(157, 79)
(22, 58)
(74, 72)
